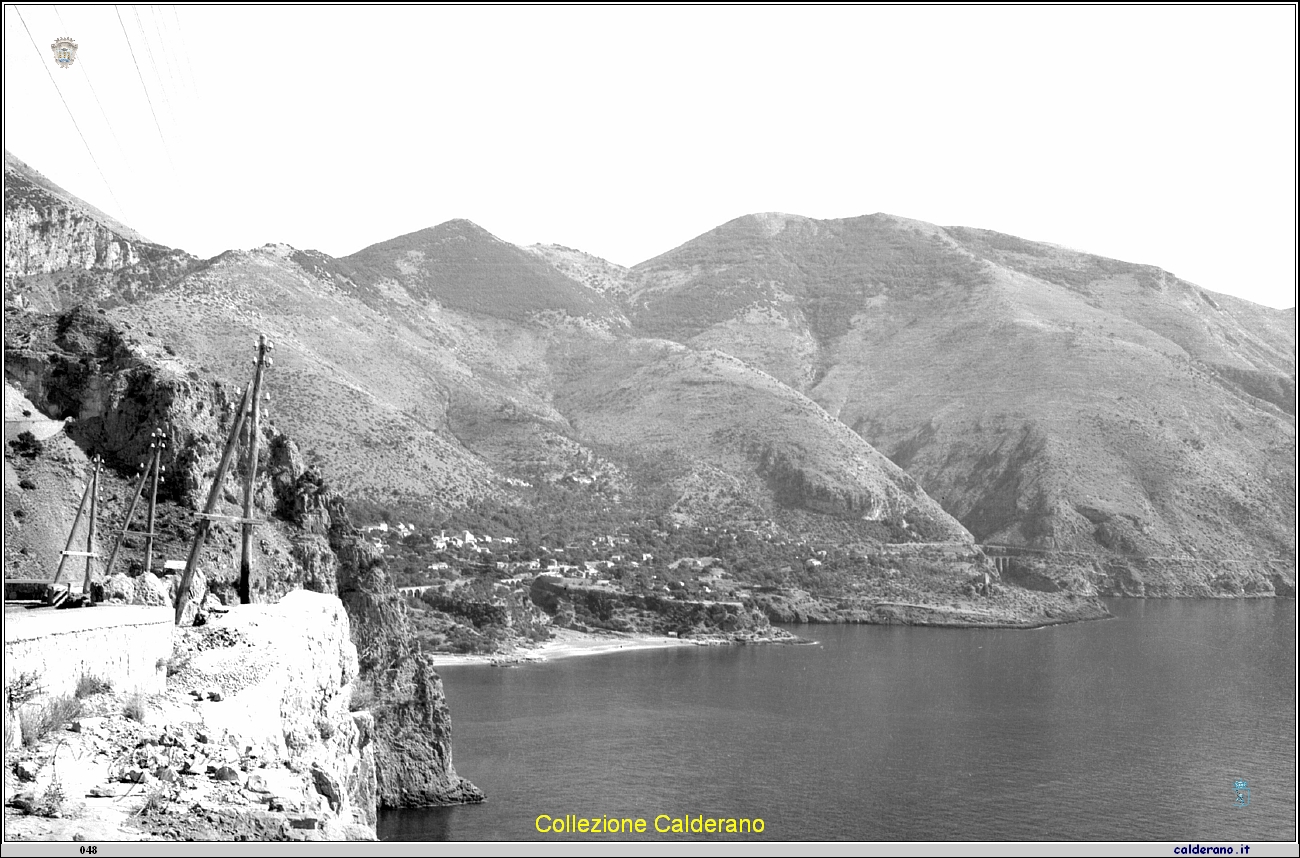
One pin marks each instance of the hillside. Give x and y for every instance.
(1020, 393)
(470, 373)
(60, 250)
(116, 391)
(1044, 397)
(461, 266)
(601, 275)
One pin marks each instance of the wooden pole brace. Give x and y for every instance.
(214, 494)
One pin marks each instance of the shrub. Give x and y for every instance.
(38, 721)
(88, 686)
(27, 445)
(155, 802)
(134, 707)
(24, 688)
(51, 803)
(175, 664)
(325, 727)
(363, 696)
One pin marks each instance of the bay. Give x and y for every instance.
(1133, 728)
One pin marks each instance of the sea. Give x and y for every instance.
(1175, 720)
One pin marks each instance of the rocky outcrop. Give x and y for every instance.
(413, 739)
(412, 723)
(577, 605)
(60, 250)
(252, 738)
(41, 240)
(119, 389)
(1188, 577)
(278, 679)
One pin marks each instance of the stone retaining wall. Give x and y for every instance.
(128, 645)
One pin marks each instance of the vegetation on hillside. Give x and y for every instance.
(830, 267)
(462, 266)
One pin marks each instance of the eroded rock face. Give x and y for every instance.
(277, 682)
(413, 724)
(413, 739)
(80, 364)
(39, 240)
(60, 250)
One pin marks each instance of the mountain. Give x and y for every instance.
(1046, 398)
(852, 383)
(60, 250)
(447, 372)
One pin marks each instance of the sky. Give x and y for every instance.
(1162, 135)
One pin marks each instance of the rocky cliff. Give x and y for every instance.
(58, 249)
(116, 387)
(254, 736)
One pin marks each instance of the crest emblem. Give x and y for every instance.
(1242, 792)
(65, 52)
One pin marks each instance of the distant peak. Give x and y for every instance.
(461, 224)
(777, 216)
(461, 229)
(278, 248)
(774, 223)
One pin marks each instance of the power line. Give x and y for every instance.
(157, 74)
(86, 71)
(167, 55)
(55, 84)
(156, 123)
(185, 49)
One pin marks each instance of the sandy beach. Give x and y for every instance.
(567, 644)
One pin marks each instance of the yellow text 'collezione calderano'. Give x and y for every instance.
(663, 824)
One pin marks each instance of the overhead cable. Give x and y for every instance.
(185, 50)
(55, 84)
(85, 70)
(162, 88)
(156, 123)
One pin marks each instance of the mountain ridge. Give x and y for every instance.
(898, 328)
(987, 367)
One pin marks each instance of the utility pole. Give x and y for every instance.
(72, 534)
(90, 531)
(254, 437)
(151, 468)
(248, 414)
(159, 445)
(206, 517)
(126, 523)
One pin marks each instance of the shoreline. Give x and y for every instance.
(568, 643)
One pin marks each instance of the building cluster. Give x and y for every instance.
(618, 561)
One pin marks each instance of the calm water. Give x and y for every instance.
(1127, 729)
